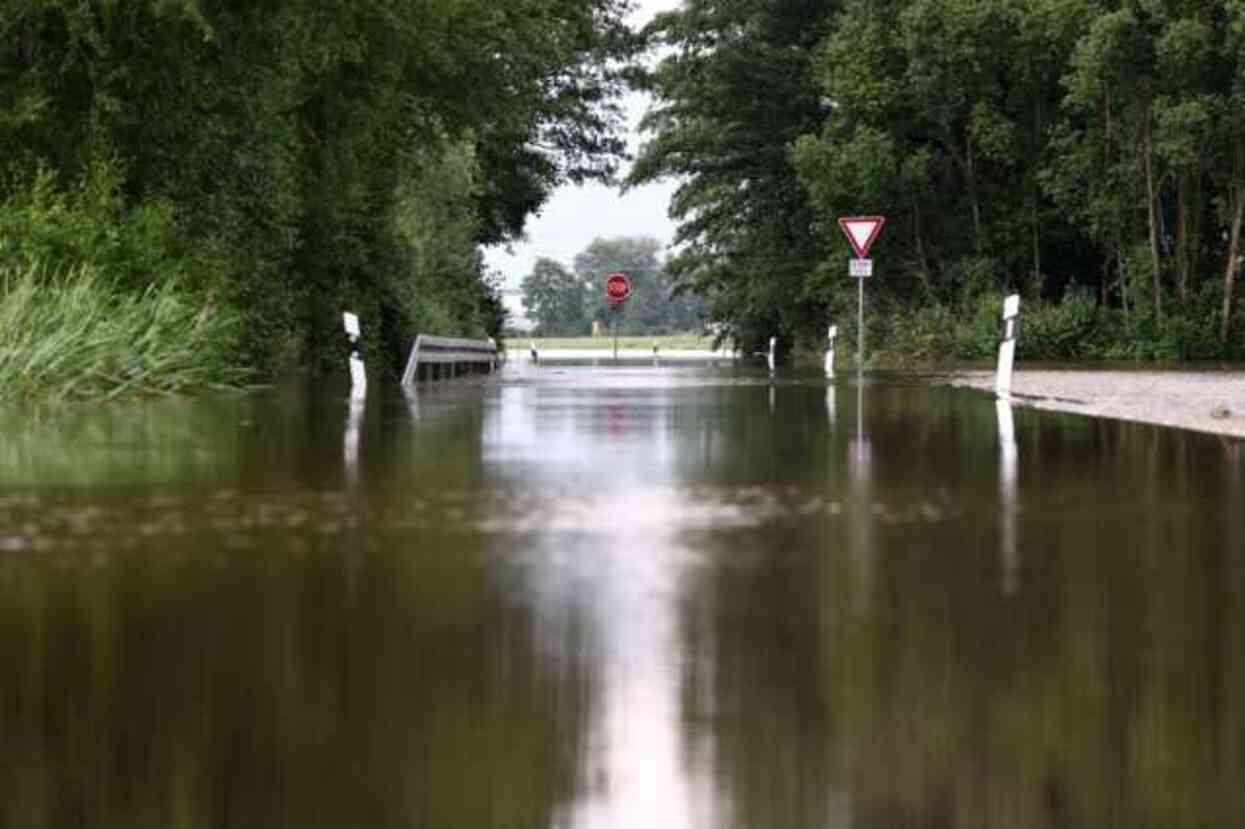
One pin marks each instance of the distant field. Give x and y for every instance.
(680, 342)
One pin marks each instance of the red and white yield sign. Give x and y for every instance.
(861, 231)
(617, 288)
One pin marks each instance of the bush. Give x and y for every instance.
(1075, 328)
(1066, 330)
(57, 230)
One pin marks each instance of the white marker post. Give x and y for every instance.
(831, 336)
(861, 231)
(769, 357)
(358, 375)
(1007, 349)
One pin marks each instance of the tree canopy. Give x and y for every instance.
(320, 155)
(1069, 149)
(563, 302)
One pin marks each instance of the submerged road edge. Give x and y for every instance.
(1211, 401)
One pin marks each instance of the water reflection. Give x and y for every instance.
(141, 443)
(1008, 483)
(614, 598)
(234, 690)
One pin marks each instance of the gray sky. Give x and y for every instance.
(574, 216)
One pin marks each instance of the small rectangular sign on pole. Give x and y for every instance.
(860, 268)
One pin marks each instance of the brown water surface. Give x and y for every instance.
(618, 597)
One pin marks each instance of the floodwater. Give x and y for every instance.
(618, 597)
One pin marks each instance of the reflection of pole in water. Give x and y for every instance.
(830, 407)
(412, 402)
(1009, 465)
(350, 441)
(771, 399)
(860, 464)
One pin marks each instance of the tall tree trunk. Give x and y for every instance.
(1231, 268)
(1037, 243)
(920, 245)
(972, 193)
(1182, 241)
(1147, 159)
(1119, 271)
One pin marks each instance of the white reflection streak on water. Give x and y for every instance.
(1009, 466)
(860, 468)
(350, 438)
(627, 579)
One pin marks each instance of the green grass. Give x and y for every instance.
(73, 335)
(669, 342)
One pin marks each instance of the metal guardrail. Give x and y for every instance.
(448, 351)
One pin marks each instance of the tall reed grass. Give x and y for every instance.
(71, 334)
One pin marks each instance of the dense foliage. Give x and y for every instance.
(1082, 151)
(297, 157)
(567, 303)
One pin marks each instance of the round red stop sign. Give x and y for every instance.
(617, 287)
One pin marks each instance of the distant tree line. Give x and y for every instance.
(290, 159)
(1087, 153)
(566, 302)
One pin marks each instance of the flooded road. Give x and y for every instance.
(619, 597)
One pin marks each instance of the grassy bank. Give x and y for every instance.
(74, 335)
(669, 342)
(1074, 328)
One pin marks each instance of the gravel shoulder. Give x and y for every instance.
(1203, 401)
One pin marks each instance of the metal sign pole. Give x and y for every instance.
(860, 324)
(614, 326)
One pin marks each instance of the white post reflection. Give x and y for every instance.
(1009, 466)
(350, 438)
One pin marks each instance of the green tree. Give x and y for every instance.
(297, 145)
(735, 88)
(556, 299)
(656, 305)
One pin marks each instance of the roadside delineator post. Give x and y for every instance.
(831, 336)
(358, 374)
(769, 357)
(1007, 348)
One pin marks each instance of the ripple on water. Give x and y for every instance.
(246, 521)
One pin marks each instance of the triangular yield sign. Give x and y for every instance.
(861, 231)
